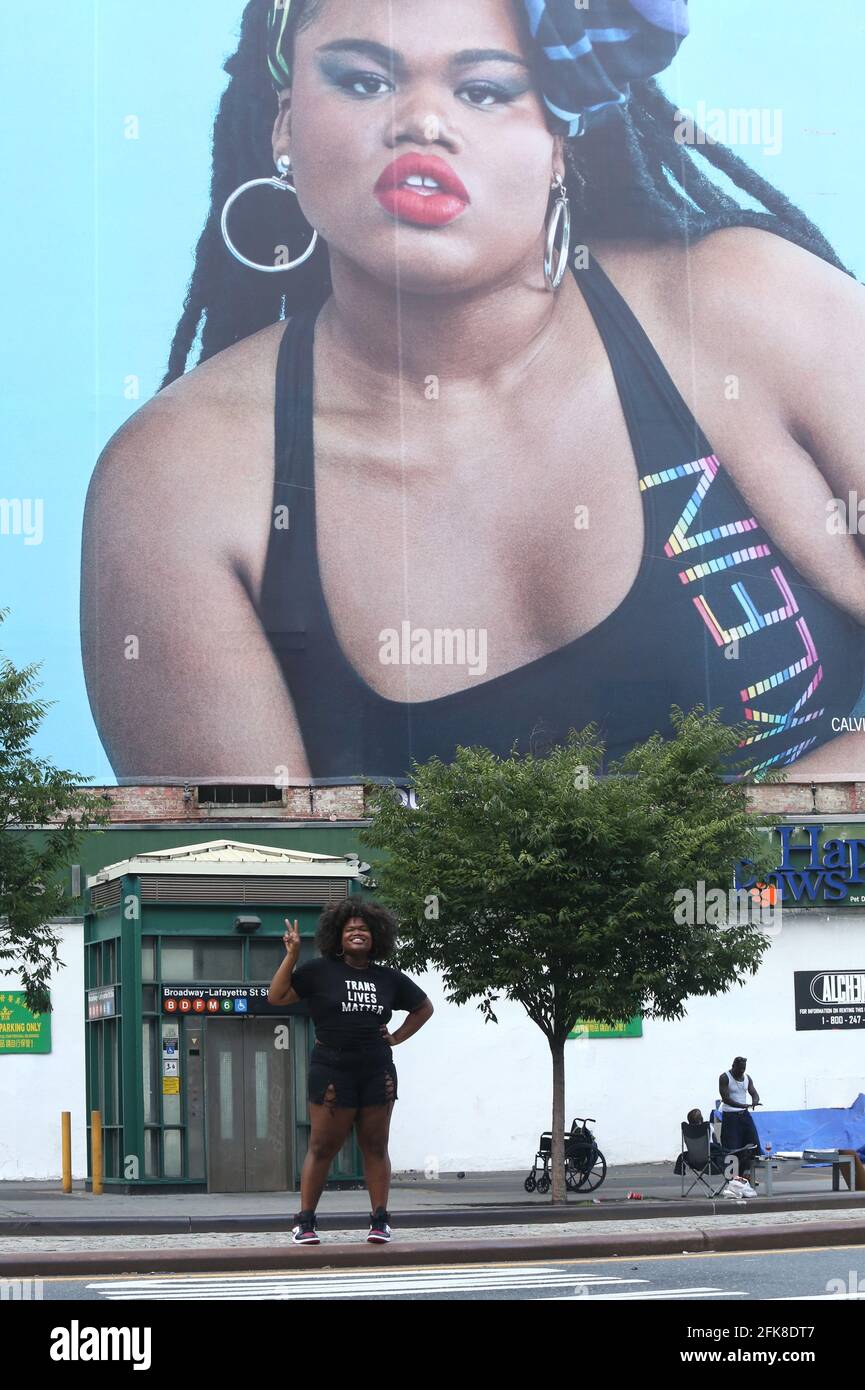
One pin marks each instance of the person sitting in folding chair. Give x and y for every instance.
(700, 1156)
(720, 1160)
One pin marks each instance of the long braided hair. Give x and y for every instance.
(630, 178)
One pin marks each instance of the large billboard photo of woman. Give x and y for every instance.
(505, 397)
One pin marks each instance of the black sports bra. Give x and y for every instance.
(717, 616)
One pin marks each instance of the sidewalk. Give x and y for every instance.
(40, 1209)
(481, 1218)
(84, 1257)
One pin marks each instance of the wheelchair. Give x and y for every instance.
(585, 1165)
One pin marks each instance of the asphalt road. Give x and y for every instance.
(825, 1275)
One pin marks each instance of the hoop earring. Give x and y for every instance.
(555, 272)
(283, 164)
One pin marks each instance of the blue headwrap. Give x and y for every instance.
(588, 56)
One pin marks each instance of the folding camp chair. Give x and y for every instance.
(696, 1159)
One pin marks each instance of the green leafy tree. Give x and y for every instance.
(542, 881)
(34, 882)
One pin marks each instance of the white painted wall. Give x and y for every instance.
(476, 1096)
(35, 1089)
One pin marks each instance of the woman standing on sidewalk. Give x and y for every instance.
(352, 1078)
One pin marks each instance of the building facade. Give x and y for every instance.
(160, 1021)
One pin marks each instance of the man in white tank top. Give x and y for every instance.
(738, 1131)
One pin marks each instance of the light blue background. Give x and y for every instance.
(98, 237)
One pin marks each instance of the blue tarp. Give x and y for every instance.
(813, 1129)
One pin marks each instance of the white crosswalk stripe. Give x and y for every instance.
(640, 1294)
(352, 1284)
(559, 1284)
(814, 1297)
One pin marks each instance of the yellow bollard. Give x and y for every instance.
(66, 1148)
(96, 1150)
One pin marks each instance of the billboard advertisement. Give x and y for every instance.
(829, 999)
(384, 377)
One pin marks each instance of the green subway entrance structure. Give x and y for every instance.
(201, 1084)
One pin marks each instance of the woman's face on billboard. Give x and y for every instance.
(419, 145)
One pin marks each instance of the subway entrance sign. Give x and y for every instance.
(209, 1000)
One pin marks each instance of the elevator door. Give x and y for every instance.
(248, 1106)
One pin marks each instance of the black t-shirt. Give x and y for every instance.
(349, 1006)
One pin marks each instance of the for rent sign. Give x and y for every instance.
(829, 999)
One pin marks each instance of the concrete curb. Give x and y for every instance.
(609, 1209)
(83, 1264)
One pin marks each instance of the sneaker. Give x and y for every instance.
(304, 1232)
(379, 1230)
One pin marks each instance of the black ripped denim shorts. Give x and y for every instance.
(359, 1075)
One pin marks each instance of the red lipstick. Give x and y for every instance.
(423, 190)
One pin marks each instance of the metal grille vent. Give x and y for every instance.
(204, 888)
(105, 894)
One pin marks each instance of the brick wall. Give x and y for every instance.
(798, 798)
(153, 804)
(144, 803)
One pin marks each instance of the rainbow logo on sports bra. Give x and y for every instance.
(803, 652)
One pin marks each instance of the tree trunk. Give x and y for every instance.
(557, 1048)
